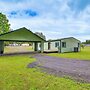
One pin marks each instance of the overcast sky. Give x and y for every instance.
(55, 18)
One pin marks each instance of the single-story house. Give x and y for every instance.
(69, 44)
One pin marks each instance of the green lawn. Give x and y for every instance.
(14, 75)
(84, 54)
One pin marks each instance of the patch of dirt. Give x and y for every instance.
(32, 65)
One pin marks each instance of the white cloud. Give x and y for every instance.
(55, 18)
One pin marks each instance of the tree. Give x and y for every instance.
(87, 41)
(82, 45)
(41, 35)
(4, 25)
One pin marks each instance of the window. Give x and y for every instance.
(64, 44)
(56, 44)
(78, 44)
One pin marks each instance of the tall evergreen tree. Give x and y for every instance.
(4, 24)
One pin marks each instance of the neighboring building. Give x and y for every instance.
(86, 44)
(69, 44)
(14, 44)
(25, 44)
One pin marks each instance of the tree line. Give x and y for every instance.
(86, 42)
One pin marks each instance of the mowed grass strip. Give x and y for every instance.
(84, 54)
(14, 75)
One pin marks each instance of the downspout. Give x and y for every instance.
(80, 46)
(60, 47)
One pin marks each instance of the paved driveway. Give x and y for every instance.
(77, 69)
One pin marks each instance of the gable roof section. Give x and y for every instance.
(22, 34)
(63, 39)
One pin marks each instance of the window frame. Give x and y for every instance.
(56, 44)
(63, 44)
(78, 44)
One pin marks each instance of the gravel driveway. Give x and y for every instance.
(76, 69)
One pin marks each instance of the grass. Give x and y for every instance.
(14, 75)
(84, 54)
